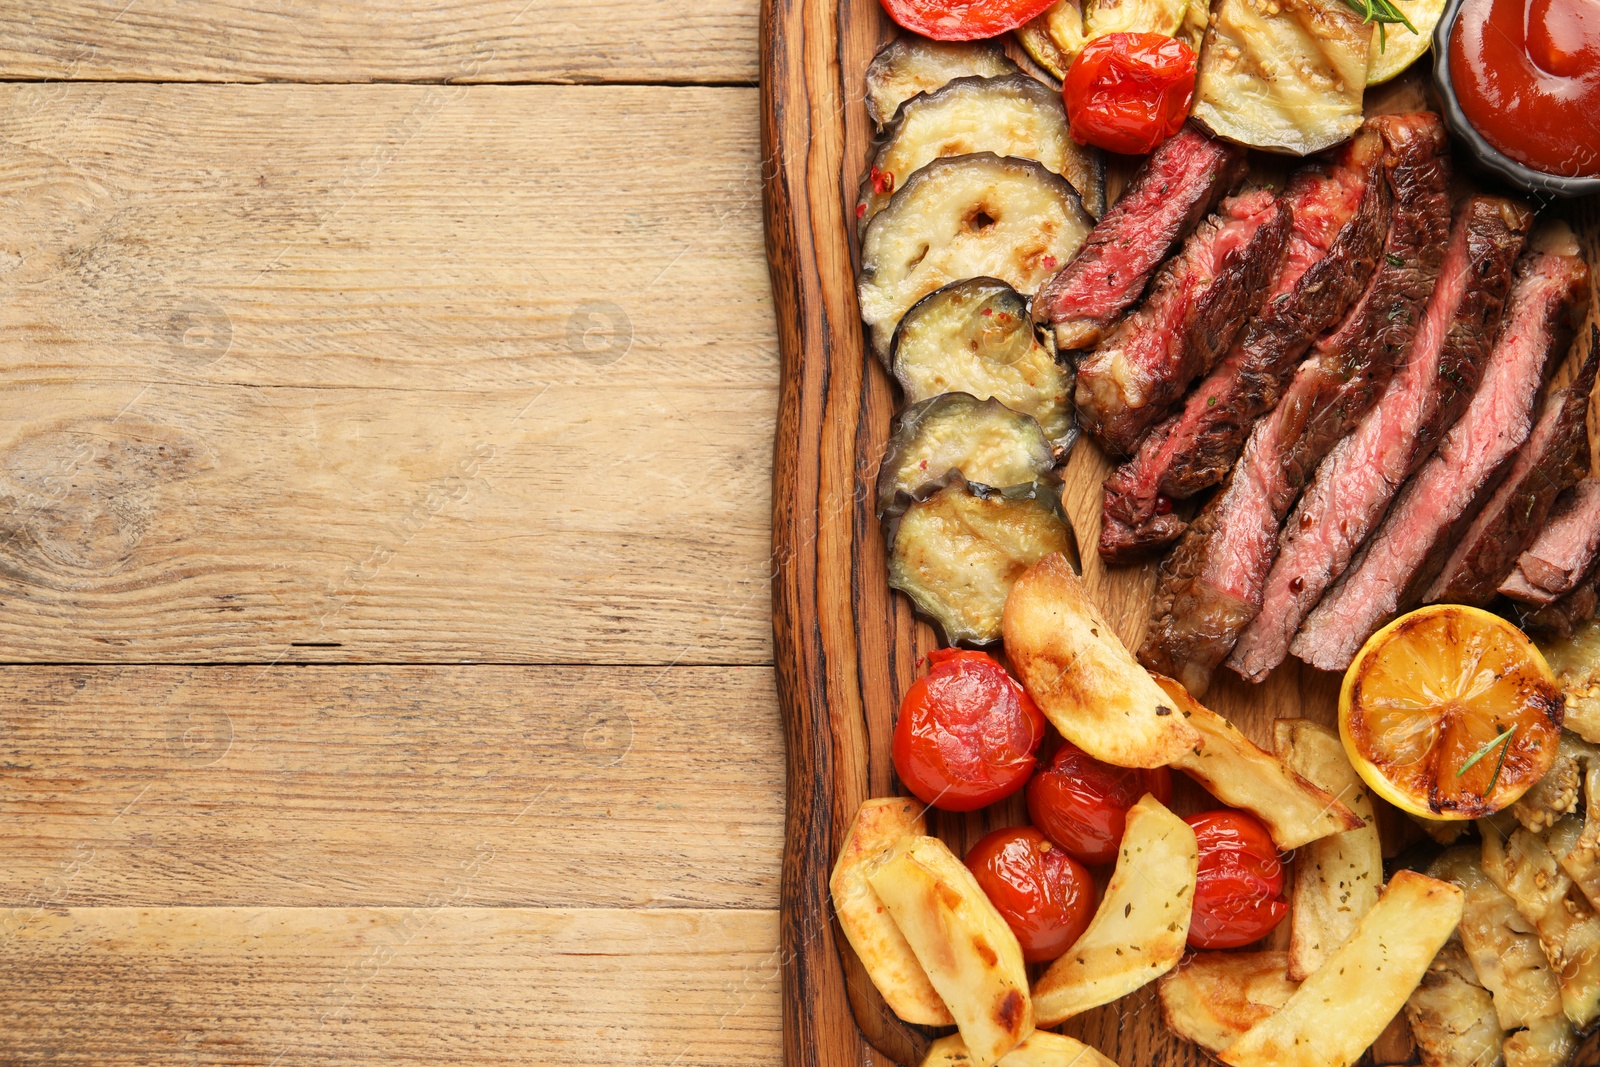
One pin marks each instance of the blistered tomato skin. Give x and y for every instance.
(967, 733)
(1082, 804)
(1128, 92)
(1044, 895)
(963, 20)
(1238, 895)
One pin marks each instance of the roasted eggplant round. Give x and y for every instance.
(1014, 115)
(970, 216)
(986, 442)
(957, 553)
(976, 336)
(910, 65)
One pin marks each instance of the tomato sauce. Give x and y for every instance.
(1527, 73)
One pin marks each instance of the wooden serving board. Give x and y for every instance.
(846, 645)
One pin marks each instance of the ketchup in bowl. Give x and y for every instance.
(1527, 75)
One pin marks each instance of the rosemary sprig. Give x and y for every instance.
(1384, 13)
(1503, 739)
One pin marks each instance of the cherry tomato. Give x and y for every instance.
(967, 733)
(1082, 804)
(1046, 896)
(963, 20)
(1239, 896)
(1128, 92)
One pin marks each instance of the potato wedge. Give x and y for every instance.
(1138, 933)
(1083, 677)
(1236, 772)
(1547, 1042)
(1041, 1049)
(965, 947)
(1452, 1017)
(1216, 996)
(1336, 878)
(878, 942)
(1342, 1008)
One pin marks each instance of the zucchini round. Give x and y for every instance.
(965, 217)
(984, 441)
(1014, 115)
(957, 553)
(910, 65)
(976, 336)
(1054, 39)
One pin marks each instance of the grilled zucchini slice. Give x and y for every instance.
(910, 65)
(976, 336)
(1014, 115)
(986, 442)
(957, 553)
(970, 216)
(1054, 39)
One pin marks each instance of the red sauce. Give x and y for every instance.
(1527, 73)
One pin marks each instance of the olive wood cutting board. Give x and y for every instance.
(846, 645)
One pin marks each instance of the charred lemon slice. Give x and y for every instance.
(1450, 713)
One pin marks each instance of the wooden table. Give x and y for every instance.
(386, 408)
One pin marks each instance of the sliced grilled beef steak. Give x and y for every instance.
(1555, 457)
(1354, 484)
(1212, 583)
(1341, 212)
(1172, 191)
(1563, 618)
(1197, 303)
(1429, 510)
(1563, 552)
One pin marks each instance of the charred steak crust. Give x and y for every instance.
(1197, 303)
(1341, 213)
(1211, 588)
(1356, 481)
(1427, 516)
(1168, 196)
(1562, 552)
(1553, 460)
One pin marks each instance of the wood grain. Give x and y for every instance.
(339, 786)
(379, 40)
(383, 373)
(429, 984)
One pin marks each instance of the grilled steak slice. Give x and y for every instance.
(1555, 457)
(1563, 552)
(1354, 484)
(1170, 194)
(1563, 618)
(1341, 212)
(1197, 303)
(1212, 583)
(1427, 513)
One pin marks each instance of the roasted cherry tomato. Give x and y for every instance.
(963, 20)
(1082, 804)
(967, 733)
(1128, 92)
(1239, 896)
(1046, 896)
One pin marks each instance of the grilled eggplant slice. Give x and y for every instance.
(957, 553)
(976, 336)
(984, 441)
(1014, 115)
(910, 65)
(971, 216)
(1285, 76)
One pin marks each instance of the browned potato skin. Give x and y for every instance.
(1216, 996)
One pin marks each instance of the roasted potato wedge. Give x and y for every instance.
(1336, 878)
(1139, 930)
(1237, 772)
(1083, 677)
(1213, 997)
(1342, 1008)
(983, 440)
(1547, 1042)
(878, 942)
(1041, 1049)
(1452, 1017)
(913, 64)
(965, 947)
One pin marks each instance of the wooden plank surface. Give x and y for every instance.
(379, 40)
(335, 786)
(389, 373)
(429, 984)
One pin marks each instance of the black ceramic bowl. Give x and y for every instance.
(1490, 157)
